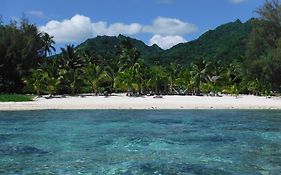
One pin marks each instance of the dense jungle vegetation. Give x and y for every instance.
(233, 58)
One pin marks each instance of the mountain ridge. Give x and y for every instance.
(225, 42)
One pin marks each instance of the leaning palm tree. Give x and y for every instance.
(214, 76)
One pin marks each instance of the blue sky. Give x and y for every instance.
(165, 22)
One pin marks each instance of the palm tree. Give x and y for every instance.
(183, 81)
(198, 73)
(124, 81)
(73, 79)
(130, 67)
(158, 78)
(70, 67)
(48, 43)
(70, 59)
(172, 70)
(214, 75)
(128, 55)
(232, 77)
(52, 84)
(53, 79)
(254, 87)
(37, 81)
(137, 73)
(94, 75)
(130, 79)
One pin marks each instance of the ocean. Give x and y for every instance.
(145, 142)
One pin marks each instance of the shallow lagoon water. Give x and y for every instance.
(127, 142)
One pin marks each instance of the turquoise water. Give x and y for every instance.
(128, 142)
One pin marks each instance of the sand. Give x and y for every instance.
(121, 101)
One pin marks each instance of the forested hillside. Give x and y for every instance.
(227, 42)
(233, 58)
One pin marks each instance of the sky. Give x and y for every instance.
(162, 22)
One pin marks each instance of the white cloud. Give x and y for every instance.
(170, 26)
(237, 1)
(71, 30)
(80, 27)
(166, 42)
(167, 31)
(101, 28)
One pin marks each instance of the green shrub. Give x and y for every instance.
(15, 98)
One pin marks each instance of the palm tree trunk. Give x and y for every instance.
(38, 92)
(72, 91)
(156, 90)
(51, 93)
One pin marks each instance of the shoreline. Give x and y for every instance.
(121, 101)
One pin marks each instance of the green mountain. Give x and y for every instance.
(107, 46)
(226, 42)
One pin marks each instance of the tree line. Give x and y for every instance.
(27, 67)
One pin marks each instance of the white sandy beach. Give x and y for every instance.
(121, 101)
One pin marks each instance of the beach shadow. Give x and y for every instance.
(55, 97)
